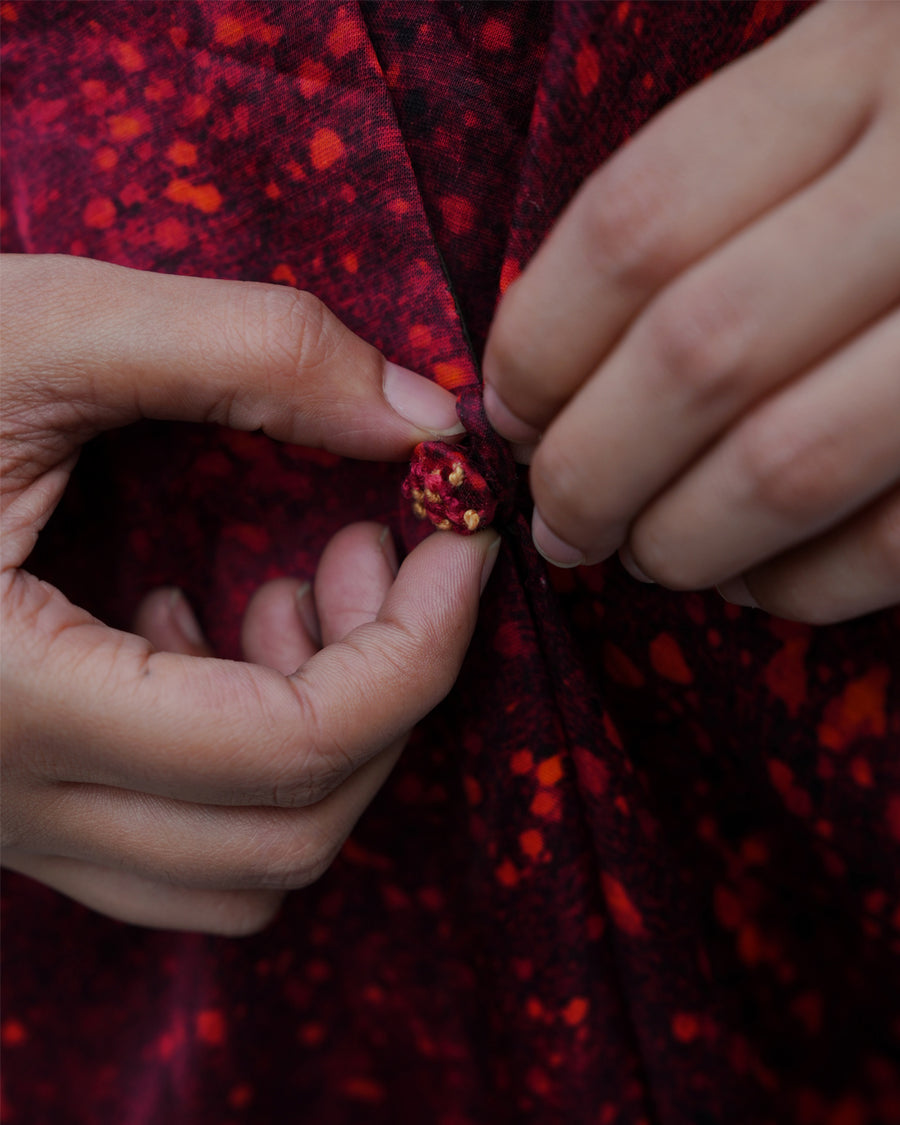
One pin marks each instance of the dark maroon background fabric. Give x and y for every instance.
(642, 865)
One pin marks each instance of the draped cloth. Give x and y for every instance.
(641, 866)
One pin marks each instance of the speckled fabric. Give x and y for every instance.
(642, 865)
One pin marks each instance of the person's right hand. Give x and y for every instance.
(169, 788)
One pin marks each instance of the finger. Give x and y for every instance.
(355, 573)
(144, 902)
(803, 461)
(280, 629)
(852, 570)
(167, 621)
(222, 848)
(118, 344)
(694, 176)
(227, 733)
(746, 319)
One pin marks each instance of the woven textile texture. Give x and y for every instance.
(641, 866)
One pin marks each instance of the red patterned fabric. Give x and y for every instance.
(642, 865)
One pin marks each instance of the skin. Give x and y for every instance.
(717, 396)
(141, 775)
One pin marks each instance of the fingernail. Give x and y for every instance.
(306, 611)
(735, 591)
(489, 559)
(626, 558)
(554, 549)
(506, 423)
(184, 620)
(386, 542)
(421, 402)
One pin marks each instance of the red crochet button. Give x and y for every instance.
(447, 489)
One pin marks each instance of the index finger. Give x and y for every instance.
(108, 710)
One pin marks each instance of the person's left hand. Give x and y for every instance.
(709, 339)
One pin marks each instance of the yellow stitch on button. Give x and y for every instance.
(418, 511)
(417, 494)
(432, 497)
(457, 475)
(471, 519)
(444, 525)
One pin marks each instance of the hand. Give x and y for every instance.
(709, 339)
(168, 788)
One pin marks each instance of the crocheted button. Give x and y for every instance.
(447, 489)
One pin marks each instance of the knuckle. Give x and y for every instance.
(699, 336)
(788, 470)
(293, 859)
(285, 330)
(627, 225)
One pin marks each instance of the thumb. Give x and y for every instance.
(122, 344)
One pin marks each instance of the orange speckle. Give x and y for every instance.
(171, 233)
(621, 803)
(205, 197)
(592, 773)
(229, 31)
(99, 213)
(861, 772)
(546, 804)
(531, 842)
(9, 12)
(239, 1097)
(587, 69)
(473, 790)
(754, 851)
(132, 193)
(183, 153)
(749, 944)
(538, 1082)
(624, 913)
(126, 126)
(13, 1033)
(575, 1012)
(314, 76)
(273, 191)
(211, 1026)
(622, 11)
(550, 770)
(128, 57)
(363, 1089)
(780, 775)
(648, 81)
(451, 375)
(620, 668)
(459, 214)
(283, 272)
(495, 35)
(508, 273)
(159, 90)
(106, 158)
(858, 712)
(179, 37)
(311, 1034)
(521, 762)
(350, 262)
(196, 107)
(668, 660)
(398, 206)
(94, 90)
(685, 1027)
(534, 1007)
(785, 674)
(420, 336)
(507, 874)
(325, 149)
(848, 1111)
(344, 37)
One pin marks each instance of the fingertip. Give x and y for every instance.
(421, 402)
(165, 618)
(505, 422)
(280, 628)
